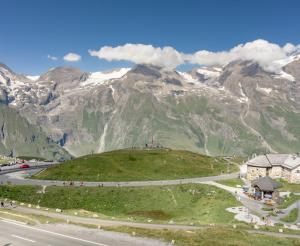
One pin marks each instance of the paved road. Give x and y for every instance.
(287, 210)
(33, 165)
(18, 180)
(145, 242)
(253, 205)
(20, 234)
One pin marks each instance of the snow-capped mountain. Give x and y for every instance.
(239, 108)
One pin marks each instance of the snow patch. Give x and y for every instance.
(33, 77)
(286, 61)
(101, 77)
(265, 90)
(112, 92)
(188, 77)
(243, 97)
(284, 75)
(208, 74)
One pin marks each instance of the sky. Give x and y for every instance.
(38, 35)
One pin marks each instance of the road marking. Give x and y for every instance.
(23, 238)
(55, 233)
(15, 221)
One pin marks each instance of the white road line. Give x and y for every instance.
(15, 221)
(55, 233)
(23, 238)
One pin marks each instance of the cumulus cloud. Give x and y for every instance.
(141, 54)
(53, 58)
(72, 57)
(266, 54)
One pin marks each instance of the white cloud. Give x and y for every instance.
(266, 54)
(53, 58)
(141, 54)
(72, 57)
(261, 51)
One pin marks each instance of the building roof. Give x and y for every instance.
(286, 160)
(266, 184)
(292, 161)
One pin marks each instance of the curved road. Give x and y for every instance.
(15, 177)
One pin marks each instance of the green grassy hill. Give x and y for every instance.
(197, 203)
(132, 165)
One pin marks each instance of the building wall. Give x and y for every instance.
(286, 174)
(291, 176)
(255, 172)
(275, 172)
(295, 176)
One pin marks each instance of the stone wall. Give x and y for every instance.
(291, 176)
(255, 172)
(275, 172)
(286, 174)
(295, 176)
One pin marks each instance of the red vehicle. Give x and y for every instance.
(24, 166)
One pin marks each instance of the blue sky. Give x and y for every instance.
(31, 30)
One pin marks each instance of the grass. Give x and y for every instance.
(289, 201)
(208, 236)
(132, 165)
(288, 186)
(231, 182)
(5, 160)
(195, 203)
(292, 216)
(238, 159)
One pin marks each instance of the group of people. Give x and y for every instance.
(71, 183)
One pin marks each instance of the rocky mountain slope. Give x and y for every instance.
(236, 109)
(19, 138)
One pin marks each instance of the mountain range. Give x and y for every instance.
(236, 109)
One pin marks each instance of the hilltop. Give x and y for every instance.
(137, 164)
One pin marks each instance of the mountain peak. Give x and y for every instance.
(147, 70)
(64, 74)
(2, 65)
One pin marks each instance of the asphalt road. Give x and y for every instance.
(33, 165)
(19, 234)
(16, 177)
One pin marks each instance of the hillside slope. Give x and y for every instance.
(133, 165)
(19, 138)
(236, 109)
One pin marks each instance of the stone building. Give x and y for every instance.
(286, 166)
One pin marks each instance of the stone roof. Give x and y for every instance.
(266, 184)
(286, 160)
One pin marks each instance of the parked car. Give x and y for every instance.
(24, 166)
